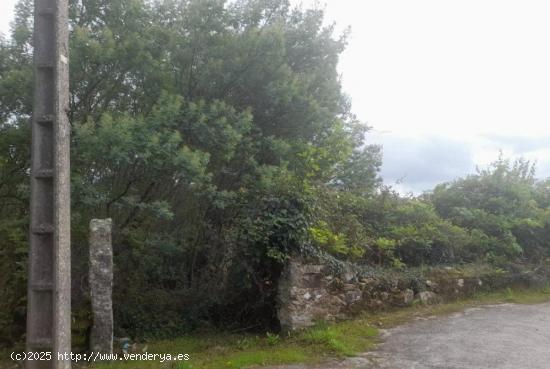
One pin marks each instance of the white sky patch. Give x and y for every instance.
(463, 68)
(6, 15)
(433, 76)
(459, 71)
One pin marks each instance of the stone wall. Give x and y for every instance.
(310, 292)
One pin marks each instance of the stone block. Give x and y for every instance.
(428, 298)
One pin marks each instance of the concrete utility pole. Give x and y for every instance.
(49, 286)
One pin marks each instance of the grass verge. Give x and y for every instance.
(319, 343)
(218, 351)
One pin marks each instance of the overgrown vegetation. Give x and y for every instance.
(217, 137)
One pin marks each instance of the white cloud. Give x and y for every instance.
(414, 163)
(447, 67)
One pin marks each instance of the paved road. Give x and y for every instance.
(490, 337)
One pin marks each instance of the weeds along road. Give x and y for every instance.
(505, 336)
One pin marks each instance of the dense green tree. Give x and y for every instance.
(501, 205)
(205, 129)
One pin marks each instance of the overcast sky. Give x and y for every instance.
(444, 84)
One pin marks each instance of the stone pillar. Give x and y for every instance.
(101, 285)
(302, 293)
